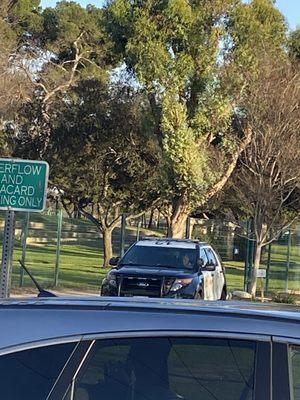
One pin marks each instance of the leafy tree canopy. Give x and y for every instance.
(294, 44)
(67, 23)
(192, 59)
(25, 16)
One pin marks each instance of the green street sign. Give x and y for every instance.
(23, 185)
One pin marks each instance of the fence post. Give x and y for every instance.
(247, 257)
(58, 242)
(268, 268)
(138, 228)
(122, 239)
(24, 245)
(251, 257)
(288, 260)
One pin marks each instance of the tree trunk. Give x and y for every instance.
(107, 246)
(144, 221)
(151, 220)
(256, 265)
(178, 219)
(168, 226)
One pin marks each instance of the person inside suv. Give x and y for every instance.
(187, 264)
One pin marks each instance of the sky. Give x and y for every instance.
(289, 8)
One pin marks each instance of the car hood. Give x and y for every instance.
(153, 271)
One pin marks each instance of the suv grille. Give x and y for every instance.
(140, 286)
(144, 286)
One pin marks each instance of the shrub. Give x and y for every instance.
(288, 298)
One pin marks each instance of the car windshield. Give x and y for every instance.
(168, 257)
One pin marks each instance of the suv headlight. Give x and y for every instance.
(180, 283)
(112, 279)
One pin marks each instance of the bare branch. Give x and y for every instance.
(94, 220)
(231, 166)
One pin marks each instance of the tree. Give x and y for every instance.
(267, 181)
(14, 88)
(72, 59)
(294, 45)
(102, 154)
(191, 59)
(114, 169)
(43, 53)
(79, 47)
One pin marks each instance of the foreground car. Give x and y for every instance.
(163, 267)
(133, 349)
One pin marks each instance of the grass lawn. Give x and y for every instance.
(80, 267)
(81, 258)
(235, 277)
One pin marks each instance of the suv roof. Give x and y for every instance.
(169, 242)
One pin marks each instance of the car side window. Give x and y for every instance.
(211, 256)
(106, 374)
(203, 256)
(31, 374)
(295, 370)
(168, 369)
(212, 369)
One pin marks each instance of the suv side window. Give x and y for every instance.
(31, 374)
(168, 369)
(203, 256)
(295, 372)
(211, 256)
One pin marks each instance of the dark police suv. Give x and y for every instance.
(155, 267)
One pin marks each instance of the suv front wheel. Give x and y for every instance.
(223, 294)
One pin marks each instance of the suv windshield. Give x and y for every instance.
(169, 257)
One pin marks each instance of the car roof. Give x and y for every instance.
(248, 307)
(40, 320)
(169, 242)
(274, 310)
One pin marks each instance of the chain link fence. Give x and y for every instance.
(280, 259)
(62, 252)
(67, 253)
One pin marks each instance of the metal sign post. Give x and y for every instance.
(261, 275)
(7, 254)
